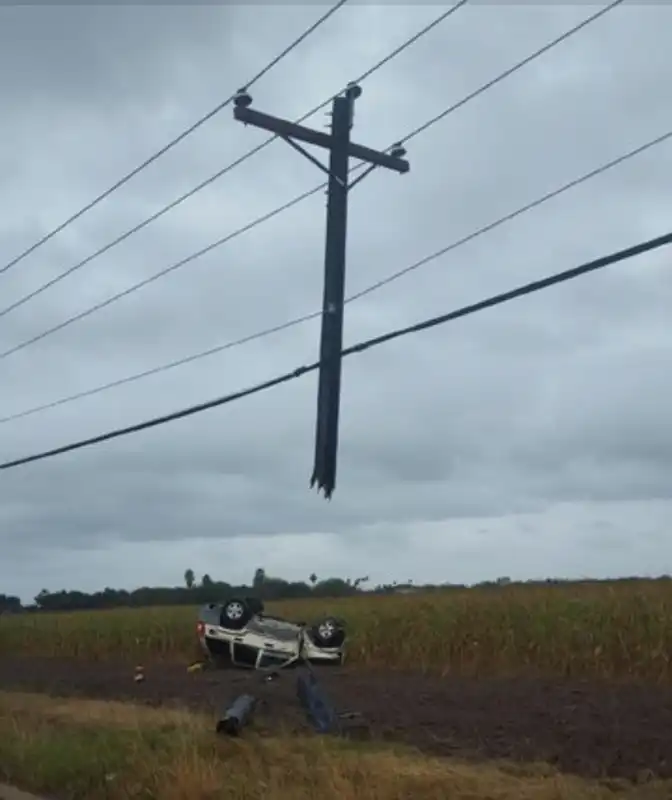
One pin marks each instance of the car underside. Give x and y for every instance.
(237, 632)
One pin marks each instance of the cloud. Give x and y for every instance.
(553, 401)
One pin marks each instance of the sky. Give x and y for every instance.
(530, 440)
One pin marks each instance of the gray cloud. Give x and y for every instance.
(446, 436)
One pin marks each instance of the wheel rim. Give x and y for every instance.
(235, 610)
(326, 630)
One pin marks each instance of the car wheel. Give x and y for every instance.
(330, 632)
(235, 614)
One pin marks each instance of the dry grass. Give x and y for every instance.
(93, 750)
(615, 631)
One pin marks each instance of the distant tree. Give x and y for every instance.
(189, 578)
(259, 578)
(206, 581)
(9, 603)
(359, 581)
(313, 579)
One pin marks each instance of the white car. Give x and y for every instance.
(238, 632)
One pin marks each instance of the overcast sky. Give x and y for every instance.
(530, 440)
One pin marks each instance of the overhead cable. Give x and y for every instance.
(169, 146)
(368, 344)
(368, 290)
(220, 173)
(280, 209)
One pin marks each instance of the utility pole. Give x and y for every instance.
(340, 149)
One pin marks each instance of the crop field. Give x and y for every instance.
(594, 630)
(576, 676)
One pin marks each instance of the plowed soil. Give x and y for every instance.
(594, 730)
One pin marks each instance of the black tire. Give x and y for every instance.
(236, 613)
(329, 632)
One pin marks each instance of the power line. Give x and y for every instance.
(368, 290)
(163, 367)
(513, 214)
(269, 215)
(368, 344)
(169, 146)
(220, 173)
(141, 284)
(532, 57)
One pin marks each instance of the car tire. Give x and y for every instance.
(329, 632)
(236, 613)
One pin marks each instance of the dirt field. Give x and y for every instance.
(594, 730)
(11, 793)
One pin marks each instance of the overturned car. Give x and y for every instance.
(237, 632)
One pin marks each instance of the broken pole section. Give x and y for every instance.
(340, 148)
(331, 339)
(237, 715)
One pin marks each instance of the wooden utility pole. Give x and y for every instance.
(341, 149)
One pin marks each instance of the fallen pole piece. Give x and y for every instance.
(320, 712)
(237, 715)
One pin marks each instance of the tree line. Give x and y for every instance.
(207, 590)
(192, 592)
